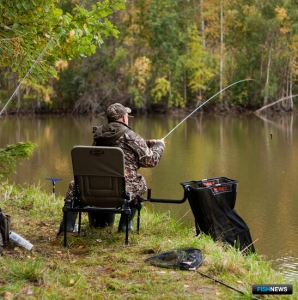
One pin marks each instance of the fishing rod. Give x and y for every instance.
(204, 104)
(18, 87)
(224, 284)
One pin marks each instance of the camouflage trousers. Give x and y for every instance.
(69, 193)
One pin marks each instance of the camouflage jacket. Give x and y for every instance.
(136, 152)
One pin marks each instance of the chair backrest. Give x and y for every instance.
(99, 173)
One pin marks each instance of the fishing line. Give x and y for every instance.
(205, 103)
(18, 87)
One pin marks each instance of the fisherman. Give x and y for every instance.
(137, 152)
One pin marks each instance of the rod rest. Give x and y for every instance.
(164, 200)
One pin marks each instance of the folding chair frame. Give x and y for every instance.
(80, 205)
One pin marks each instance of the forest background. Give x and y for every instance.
(152, 55)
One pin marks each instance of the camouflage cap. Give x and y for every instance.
(116, 111)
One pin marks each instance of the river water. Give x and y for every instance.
(259, 152)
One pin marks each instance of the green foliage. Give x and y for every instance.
(161, 89)
(176, 100)
(259, 40)
(134, 91)
(11, 155)
(27, 27)
(140, 74)
(165, 25)
(199, 63)
(68, 87)
(179, 40)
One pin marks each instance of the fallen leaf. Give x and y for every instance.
(8, 296)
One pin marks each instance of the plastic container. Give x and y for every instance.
(20, 240)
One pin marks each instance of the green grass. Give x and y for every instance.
(97, 266)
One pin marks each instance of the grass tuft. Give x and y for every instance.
(97, 266)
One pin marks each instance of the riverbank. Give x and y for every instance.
(213, 109)
(97, 266)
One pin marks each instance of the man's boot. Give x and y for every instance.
(100, 220)
(122, 222)
(70, 221)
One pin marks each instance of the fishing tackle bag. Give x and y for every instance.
(212, 202)
(4, 230)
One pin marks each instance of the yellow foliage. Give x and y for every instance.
(71, 33)
(161, 89)
(61, 65)
(281, 13)
(47, 97)
(134, 28)
(141, 72)
(176, 100)
(251, 11)
(199, 62)
(282, 16)
(284, 30)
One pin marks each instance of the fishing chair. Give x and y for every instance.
(99, 184)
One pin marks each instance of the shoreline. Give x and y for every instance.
(96, 265)
(180, 112)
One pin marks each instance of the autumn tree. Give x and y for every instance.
(29, 27)
(35, 35)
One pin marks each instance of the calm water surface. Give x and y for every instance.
(239, 148)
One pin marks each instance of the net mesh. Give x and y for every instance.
(183, 259)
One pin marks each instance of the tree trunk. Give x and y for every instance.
(291, 88)
(199, 93)
(202, 25)
(221, 52)
(267, 78)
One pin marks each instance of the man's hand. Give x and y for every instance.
(163, 141)
(153, 142)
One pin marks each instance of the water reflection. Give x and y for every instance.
(239, 148)
(288, 265)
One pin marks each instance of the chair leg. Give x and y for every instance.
(138, 220)
(80, 219)
(65, 229)
(126, 231)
